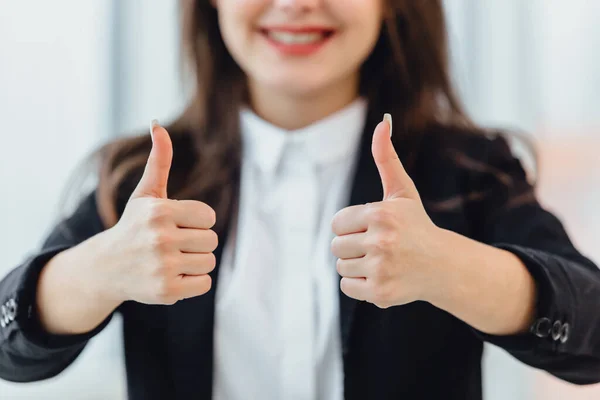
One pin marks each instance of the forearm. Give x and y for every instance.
(71, 298)
(488, 288)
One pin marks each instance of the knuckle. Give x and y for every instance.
(335, 246)
(165, 291)
(161, 242)
(207, 212)
(167, 266)
(207, 262)
(378, 214)
(382, 243)
(339, 266)
(379, 272)
(336, 222)
(211, 216)
(375, 213)
(344, 286)
(204, 284)
(158, 213)
(211, 261)
(160, 269)
(334, 225)
(213, 240)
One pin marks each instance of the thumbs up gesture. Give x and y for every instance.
(385, 249)
(160, 251)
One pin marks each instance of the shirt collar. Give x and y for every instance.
(335, 137)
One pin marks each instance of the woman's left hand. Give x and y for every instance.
(388, 251)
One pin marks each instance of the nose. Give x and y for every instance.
(297, 6)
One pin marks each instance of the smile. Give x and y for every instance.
(297, 41)
(296, 38)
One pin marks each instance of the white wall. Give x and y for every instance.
(55, 95)
(148, 84)
(533, 65)
(74, 73)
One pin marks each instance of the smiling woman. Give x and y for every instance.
(278, 240)
(286, 58)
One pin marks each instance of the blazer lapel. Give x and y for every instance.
(190, 339)
(366, 188)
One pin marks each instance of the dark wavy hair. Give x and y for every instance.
(407, 74)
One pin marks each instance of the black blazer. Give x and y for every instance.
(469, 183)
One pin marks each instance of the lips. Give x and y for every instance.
(289, 36)
(296, 38)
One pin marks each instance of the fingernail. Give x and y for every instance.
(388, 117)
(153, 125)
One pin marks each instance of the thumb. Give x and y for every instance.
(396, 182)
(156, 174)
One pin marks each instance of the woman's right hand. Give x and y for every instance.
(161, 250)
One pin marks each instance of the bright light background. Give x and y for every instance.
(75, 73)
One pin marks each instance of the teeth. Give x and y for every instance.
(295, 38)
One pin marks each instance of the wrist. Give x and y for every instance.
(439, 271)
(68, 298)
(488, 288)
(87, 265)
(461, 265)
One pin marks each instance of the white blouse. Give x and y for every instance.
(277, 318)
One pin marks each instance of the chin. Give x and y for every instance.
(300, 85)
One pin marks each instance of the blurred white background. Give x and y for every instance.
(75, 73)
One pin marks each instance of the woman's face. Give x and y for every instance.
(299, 47)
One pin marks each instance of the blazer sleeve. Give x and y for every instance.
(564, 339)
(27, 352)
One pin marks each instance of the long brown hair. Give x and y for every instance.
(407, 74)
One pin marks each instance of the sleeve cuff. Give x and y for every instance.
(550, 330)
(27, 317)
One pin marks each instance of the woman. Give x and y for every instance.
(232, 291)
